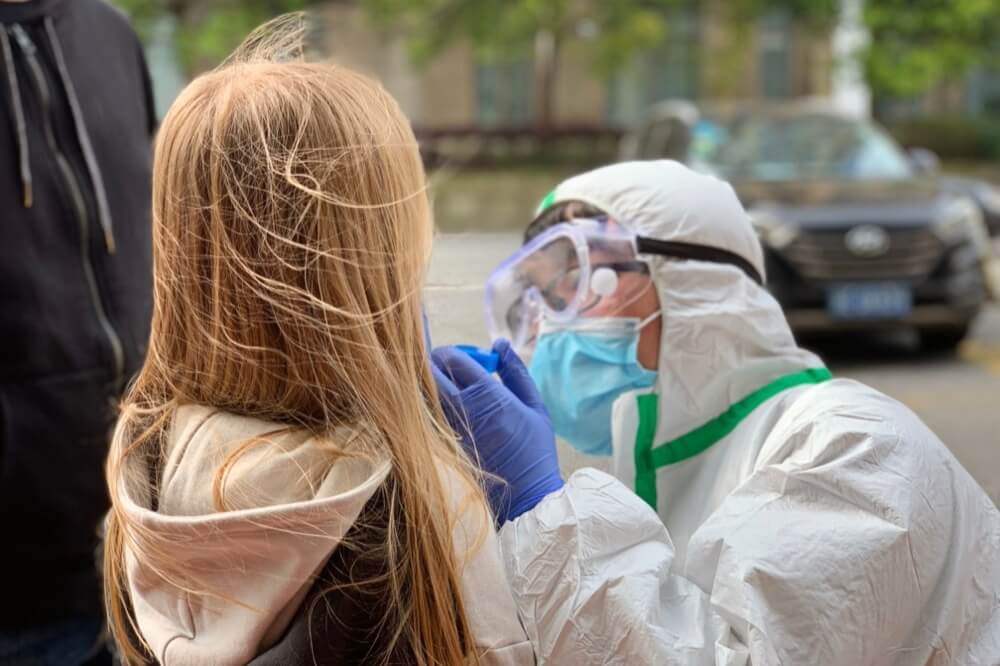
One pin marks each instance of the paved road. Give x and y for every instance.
(958, 396)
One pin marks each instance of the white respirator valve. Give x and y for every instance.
(604, 281)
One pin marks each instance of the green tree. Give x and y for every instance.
(917, 44)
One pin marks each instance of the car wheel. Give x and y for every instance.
(943, 339)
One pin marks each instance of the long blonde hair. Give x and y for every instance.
(292, 231)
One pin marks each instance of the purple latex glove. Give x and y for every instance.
(504, 426)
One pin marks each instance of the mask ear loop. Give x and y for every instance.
(649, 320)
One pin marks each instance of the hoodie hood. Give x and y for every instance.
(287, 510)
(723, 336)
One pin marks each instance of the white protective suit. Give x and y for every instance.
(811, 520)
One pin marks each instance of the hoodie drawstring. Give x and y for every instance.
(17, 111)
(83, 137)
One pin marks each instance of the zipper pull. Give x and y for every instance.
(109, 241)
(23, 40)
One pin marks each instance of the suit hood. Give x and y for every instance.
(723, 335)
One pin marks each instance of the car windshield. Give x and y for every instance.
(795, 147)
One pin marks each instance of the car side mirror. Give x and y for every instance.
(925, 161)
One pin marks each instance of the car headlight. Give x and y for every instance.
(773, 231)
(961, 221)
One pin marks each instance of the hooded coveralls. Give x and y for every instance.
(811, 520)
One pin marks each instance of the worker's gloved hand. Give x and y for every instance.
(504, 426)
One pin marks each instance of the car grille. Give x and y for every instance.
(823, 255)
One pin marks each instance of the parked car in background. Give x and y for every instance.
(857, 233)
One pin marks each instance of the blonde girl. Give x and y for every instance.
(285, 488)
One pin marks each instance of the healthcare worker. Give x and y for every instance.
(811, 520)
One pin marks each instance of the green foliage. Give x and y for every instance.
(487, 24)
(506, 29)
(142, 13)
(208, 30)
(917, 44)
(626, 31)
(615, 31)
(951, 136)
(817, 15)
(219, 31)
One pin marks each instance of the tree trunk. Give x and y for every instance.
(546, 61)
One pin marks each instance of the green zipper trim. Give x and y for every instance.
(649, 458)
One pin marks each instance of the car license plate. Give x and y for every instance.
(887, 300)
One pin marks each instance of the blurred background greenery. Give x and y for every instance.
(928, 69)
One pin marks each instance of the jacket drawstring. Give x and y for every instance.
(17, 111)
(83, 137)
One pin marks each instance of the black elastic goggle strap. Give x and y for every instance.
(679, 250)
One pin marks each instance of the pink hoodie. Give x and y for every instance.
(289, 512)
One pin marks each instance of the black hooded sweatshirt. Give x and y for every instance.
(76, 119)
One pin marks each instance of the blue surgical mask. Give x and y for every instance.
(581, 369)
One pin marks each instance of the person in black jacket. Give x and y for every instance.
(76, 119)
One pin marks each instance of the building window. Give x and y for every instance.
(982, 91)
(775, 55)
(505, 93)
(672, 70)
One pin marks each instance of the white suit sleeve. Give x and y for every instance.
(590, 571)
(856, 542)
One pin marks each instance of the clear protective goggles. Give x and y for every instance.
(584, 269)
